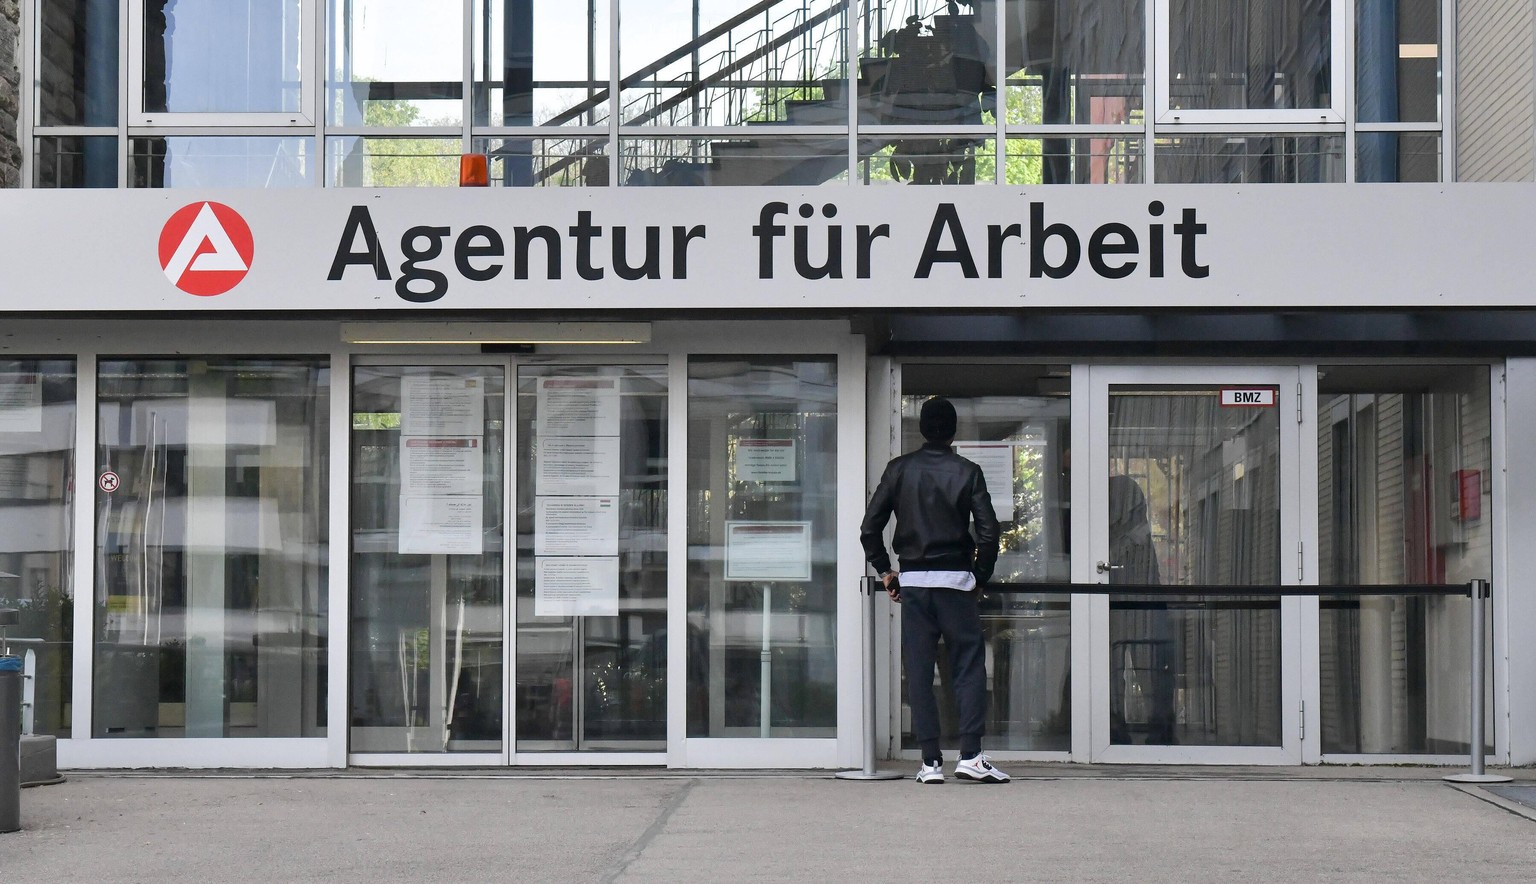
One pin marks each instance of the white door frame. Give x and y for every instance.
(577, 757)
(508, 755)
(1287, 378)
(340, 710)
(148, 338)
(845, 750)
(884, 443)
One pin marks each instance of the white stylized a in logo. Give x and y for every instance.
(205, 246)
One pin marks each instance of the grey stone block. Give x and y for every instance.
(39, 760)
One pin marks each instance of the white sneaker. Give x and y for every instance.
(931, 774)
(979, 770)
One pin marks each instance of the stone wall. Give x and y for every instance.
(10, 93)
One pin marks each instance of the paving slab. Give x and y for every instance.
(1240, 825)
(1523, 794)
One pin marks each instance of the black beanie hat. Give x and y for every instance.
(937, 420)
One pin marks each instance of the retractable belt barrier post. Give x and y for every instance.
(1479, 590)
(871, 588)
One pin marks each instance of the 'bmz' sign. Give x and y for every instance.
(1248, 397)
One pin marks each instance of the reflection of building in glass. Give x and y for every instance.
(211, 570)
(1402, 461)
(37, 428)
(942, 92)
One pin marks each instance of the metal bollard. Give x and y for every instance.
(1479, 591)
(10, 744)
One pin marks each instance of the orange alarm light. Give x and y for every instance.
(474, 171)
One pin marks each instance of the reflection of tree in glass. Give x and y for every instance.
(408, 162)
(1023, 164)
(968, 161)
(1021, 539)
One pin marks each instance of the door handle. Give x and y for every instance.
(1105, 567)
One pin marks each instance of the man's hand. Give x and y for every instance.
(892, 586)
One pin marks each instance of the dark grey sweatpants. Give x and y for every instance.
(926, 615)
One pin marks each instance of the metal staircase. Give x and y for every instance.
(782, 63)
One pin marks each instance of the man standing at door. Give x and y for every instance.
(935, 495)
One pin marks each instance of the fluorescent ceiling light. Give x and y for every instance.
(496, 332)
(1418, 50)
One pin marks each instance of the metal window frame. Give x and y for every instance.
(1158, 121)
(130, 27)
(1341, 50)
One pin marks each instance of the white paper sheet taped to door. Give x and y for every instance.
(441, 405)
(768, 551)
(578, 407)
(441, 526)
(576, 587)
(996, 462)
(576, 526)
(577, 466)
(765, 460)
(432, 466)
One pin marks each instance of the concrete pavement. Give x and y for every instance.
(1054, 823)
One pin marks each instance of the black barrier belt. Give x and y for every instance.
(1228, 589)
(1355, 590)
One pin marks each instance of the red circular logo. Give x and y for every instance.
(206, 249)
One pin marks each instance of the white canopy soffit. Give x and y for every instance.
(983, 247)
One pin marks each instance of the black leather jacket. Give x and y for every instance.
(935, 494)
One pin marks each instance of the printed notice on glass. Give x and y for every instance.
(578, 407)
(996, 462)
(441, 405)
(576, 526)
(765, 460)
(576, 587)
(441, 525)
(437, 466)
(578, 466)
(767, 550)
(21, 402)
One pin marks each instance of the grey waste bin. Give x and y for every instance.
(10, 744)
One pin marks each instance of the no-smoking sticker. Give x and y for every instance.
(108, 482)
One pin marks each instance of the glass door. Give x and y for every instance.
(1014, 421)
(1194, 484)
(436, 591)
(427, 619)
(591, 584)
(762, 532)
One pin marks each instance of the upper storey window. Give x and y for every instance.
(735, 62)
(221, 62)
(542, 63)
(667, 91)
(1397, 61)
(1264, 61)
(395, 64)
(1075, 62)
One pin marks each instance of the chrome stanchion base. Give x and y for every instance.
(1477, 778)
(869, 775)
